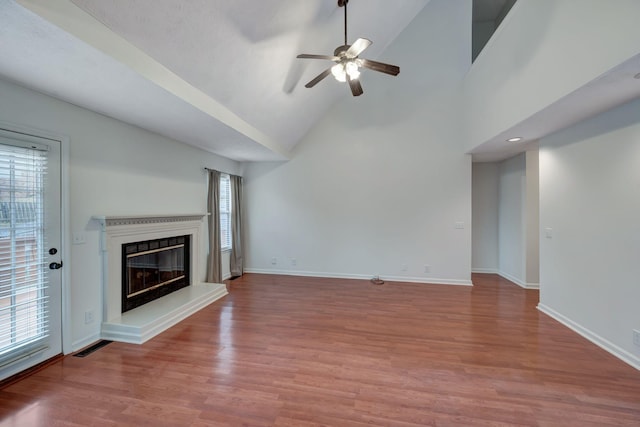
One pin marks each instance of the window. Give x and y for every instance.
(225, 212)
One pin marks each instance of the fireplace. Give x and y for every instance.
(154, 268)
(151, 240)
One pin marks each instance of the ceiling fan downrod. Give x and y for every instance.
(343, 3)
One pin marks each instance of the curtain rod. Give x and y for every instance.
(215, 170)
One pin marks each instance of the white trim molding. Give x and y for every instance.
(517, 281)
(484, 270)
(85, 342)
(110, 221)
(424, 280)
(603, 343)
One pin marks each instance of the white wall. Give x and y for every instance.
(589, 268)
(380, 182)
(506, 219)
(115, 169)
(518, 218)
(484, 202)
(511, 219)
(532, 218)
(542, 51)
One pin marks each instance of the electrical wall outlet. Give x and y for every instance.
(405, 267)
(78, 238)
(88, 316)
(294, 262)
(636, 337)
(427, 268)
(274, 261)
(459, 225)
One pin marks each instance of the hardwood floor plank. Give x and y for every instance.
(307, 352)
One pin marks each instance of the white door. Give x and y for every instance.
(30, 252)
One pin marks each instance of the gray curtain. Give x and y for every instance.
(214, 261)
(236, 226)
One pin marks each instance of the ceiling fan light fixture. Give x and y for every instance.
(348, 62)
(352, 69)
(339, 72)
(342, 69)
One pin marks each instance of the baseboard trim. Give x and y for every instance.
(84, 342)
(603, 343)
(423, 280)
(484, 270)
(517, 281)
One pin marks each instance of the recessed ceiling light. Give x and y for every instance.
(516, 139)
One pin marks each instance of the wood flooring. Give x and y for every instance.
(294, 351)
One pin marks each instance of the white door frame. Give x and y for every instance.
(64, 220)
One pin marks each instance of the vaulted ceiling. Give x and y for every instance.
(223, 75)
(220, 75)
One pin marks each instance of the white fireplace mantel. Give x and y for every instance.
(144, 322)
(110, 221)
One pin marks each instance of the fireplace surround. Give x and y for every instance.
(138, 324)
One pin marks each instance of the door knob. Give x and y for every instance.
(55, 265)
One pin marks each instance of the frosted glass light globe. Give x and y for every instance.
(352, 70)
(339, 72)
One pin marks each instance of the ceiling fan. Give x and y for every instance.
(348, 63)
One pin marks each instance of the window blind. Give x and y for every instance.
(24, 311)
(225, 212)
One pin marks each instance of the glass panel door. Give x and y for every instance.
(30, 291)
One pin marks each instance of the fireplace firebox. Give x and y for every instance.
(154, 268)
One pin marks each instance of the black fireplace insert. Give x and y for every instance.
(154, 268)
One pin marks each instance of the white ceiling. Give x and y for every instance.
(220, 75)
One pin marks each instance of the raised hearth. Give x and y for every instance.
(139, 324)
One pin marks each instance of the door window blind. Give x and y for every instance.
(24, 310)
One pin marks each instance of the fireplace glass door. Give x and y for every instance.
(154, 268)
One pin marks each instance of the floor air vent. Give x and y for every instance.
(87, 351)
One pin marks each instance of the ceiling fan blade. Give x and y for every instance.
(309, 56)
(394, 70)
(356, 87)
(358, 47)
(319, 77)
